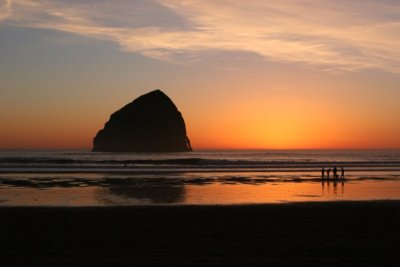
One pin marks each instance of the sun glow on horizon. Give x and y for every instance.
(259, 75)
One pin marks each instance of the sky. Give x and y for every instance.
(304, 74)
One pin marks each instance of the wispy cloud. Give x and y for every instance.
(5, 9)
(346, 35)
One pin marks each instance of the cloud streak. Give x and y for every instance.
(327, 34)
(5, 9)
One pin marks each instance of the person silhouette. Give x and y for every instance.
(327, 172)
(323, 173)
(335, 173)
(342, 175)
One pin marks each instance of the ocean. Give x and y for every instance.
(84, 178)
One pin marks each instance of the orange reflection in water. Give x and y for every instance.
(218, 193)
(291, 192)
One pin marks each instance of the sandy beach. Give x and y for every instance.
(302, 234)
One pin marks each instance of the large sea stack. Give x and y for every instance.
(151, 123)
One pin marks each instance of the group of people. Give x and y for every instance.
(334, 171)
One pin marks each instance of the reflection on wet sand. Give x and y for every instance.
(335, 183)
(208, 188)
(154, 194)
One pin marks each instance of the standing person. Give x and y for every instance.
(323, 173)
(342, 176)
(328, 171)
(335, 172)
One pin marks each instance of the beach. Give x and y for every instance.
(349, 233)
(204, 208)
(68, 178)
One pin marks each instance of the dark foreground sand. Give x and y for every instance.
(306, 234)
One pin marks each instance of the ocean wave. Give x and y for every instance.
(43, 182)
(24, 161)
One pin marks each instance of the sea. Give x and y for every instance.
(203, 177)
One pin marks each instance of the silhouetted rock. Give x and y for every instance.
(151, 123)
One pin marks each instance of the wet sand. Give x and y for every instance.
(302, 234)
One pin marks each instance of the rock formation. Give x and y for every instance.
(151, 123)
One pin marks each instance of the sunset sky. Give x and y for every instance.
(245, 74)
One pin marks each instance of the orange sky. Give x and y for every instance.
(324, 81)
(285, 118)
